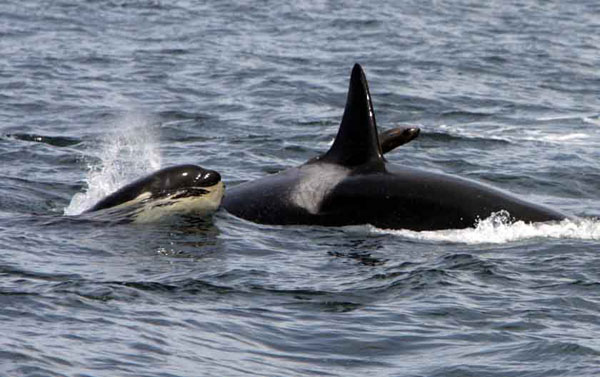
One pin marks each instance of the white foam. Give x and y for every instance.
(558, 138)
(498, 229)
(468, 133)
(129, 150)
(592, 120)
(551, 118)
(512, 135)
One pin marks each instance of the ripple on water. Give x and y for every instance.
(96, 94)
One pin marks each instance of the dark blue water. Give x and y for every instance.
(96, 93)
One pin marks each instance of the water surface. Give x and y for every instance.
(97, 93)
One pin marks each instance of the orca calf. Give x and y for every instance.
(353, 184)
(177, 190)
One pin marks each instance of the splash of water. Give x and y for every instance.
(128, 151)
(498, 229)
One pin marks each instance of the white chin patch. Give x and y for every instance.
(201, 206)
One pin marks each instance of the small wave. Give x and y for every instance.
(557, 138)
(446, 133)
(498, 229)
(551, 118)
(509, 135)
(128, 151)
(592, 120)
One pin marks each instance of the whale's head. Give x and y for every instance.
(185, 181)
(176, 190)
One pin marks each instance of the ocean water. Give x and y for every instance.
(96, 93)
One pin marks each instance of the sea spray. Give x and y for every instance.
(128, 151)
(499, 229)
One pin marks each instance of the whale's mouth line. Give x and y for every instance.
(189, 192)
(186, 192)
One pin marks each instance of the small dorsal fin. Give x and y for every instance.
(356, 142)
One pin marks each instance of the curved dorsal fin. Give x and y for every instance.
(356, 142)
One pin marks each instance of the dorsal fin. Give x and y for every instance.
(356, 142)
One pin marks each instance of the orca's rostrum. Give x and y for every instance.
(352, 184)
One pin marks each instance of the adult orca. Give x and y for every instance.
(176, 190)
(352, 184)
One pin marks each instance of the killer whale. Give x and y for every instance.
(352, 183)
(176, 190)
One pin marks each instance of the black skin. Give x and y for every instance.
(163, 182)
(353, 184)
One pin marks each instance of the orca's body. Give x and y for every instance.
(353, 184)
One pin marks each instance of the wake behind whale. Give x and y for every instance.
(499, 228)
